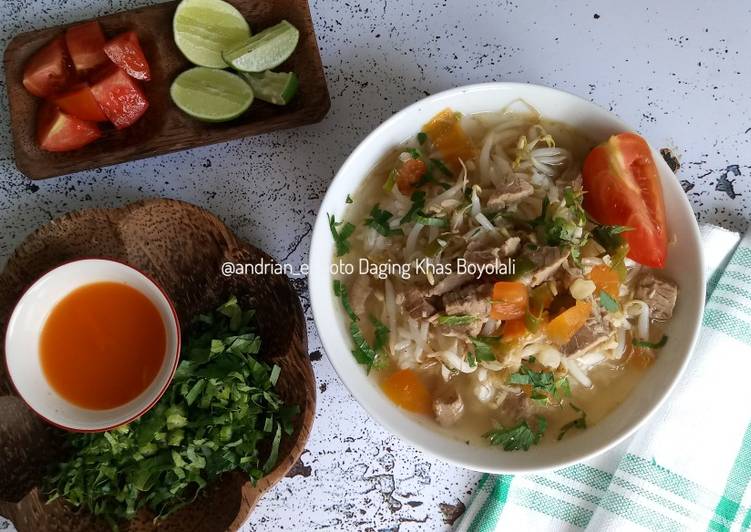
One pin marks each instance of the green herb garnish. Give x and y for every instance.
(348, 199)
(422, 137)
(650, 345)
(484, 346)
(437, 163)
(541, 381)
(390, 180)
(574, 203)
(340, 291)
(340, 235)
(609, 302)
(362, 351)
(609, 236)
(379, 220)
(415, 153)
(532, 322)
(374, 356)
(418, 203)
(434, 221)
(578, 423)
(519, 437)
(221, 413)
(456, 320)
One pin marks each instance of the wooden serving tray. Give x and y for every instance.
(182, 247)
(164, 128)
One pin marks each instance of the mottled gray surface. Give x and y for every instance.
(677, 72)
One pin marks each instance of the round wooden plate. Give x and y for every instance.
(183, 247)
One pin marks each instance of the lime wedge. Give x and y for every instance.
(211, 95)
(273, 87)
(265, 50)
(204, 28)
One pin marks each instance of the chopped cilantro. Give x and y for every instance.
(578, 423)
(422, 137)
(608, 302)
(456, 320)
(349, 199)
(379, 220)
(540, 381)
(650, 345)
(574, 202)
(519, 437)
(609, 236)
(471, 359)
(340, 235)
(484, 347)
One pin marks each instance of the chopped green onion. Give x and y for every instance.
(459, 319)
(340, 235)
(418, 202)
(421, 218)
(442, 167)
(422, 137)
(340, 291)
(379, 220)
(390, 180)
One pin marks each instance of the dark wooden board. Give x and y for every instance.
(182, 247)
(164, 128)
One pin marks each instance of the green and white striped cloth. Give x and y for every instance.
(689, 468)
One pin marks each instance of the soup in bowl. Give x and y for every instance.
(501, 262)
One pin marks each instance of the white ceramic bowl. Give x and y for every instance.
(684, 265)
(25, 326)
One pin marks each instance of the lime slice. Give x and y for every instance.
(211, 95)
(273, 87)
(204, 28)
(265, 50)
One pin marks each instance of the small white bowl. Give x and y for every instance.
(684, 265)
(24, 330)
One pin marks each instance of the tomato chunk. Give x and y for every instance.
(58, 131)
(564, 325)
(623, 188)
(86, 45)
(80, 102)
(448, 137)
(510, 300)
(406, 389)
(49, 70)
(409, 175)
(126, 52)
(120, 97)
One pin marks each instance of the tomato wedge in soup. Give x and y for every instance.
(623, 188)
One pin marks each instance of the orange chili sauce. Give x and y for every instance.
(102, 345)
